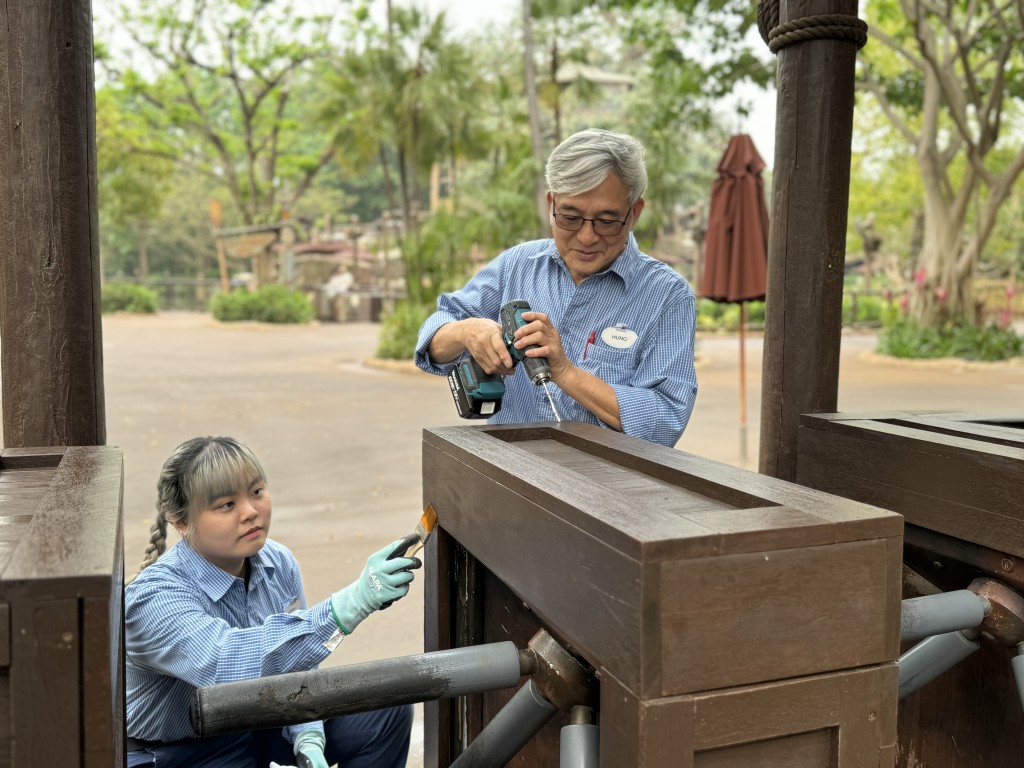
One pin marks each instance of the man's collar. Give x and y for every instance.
(624, 265)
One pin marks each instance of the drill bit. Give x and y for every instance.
(550, 400)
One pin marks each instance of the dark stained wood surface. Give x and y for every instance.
(946, 474)
(841, 720)
(52, 375)
(957, 479)
(807, 237)
(61, 577)
(668, 573)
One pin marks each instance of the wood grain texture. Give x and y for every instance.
(5, 719)
(675, 579)
(957, 480)
(74, 542)
(45, 683)
(807, 238)
(735, 620)
(953, 483)
(52, 367)
(61, 579)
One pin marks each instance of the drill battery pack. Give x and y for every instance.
(477, 394)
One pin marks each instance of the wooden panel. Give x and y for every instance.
(741, 619)
(644, 733)
(5, 635)
(675, 578)
(520, 542)
(506, 618)
(73, 543)
(840, 720)
(28, 458)
(45, 680)
(5, 718)
(957, 479)
(102, 681)
(609, 474)
(61, 579)
(857, 707)
(805, 750)
(568, 492)
(955, 485)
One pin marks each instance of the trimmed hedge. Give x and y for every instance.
(269, 304)
(127, 297)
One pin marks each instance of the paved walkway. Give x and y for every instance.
(340, 440)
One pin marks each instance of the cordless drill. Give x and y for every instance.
(477, 393)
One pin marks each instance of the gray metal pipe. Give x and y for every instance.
(579, 743)
(930, 658)
(300, 697)
(1017, 662)
(509, 730)
(922, 617)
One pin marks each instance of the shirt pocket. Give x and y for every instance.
(609, 363)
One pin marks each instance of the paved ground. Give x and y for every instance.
(340, 440)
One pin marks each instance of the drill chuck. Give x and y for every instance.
(537, 368)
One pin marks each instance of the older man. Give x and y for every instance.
(616, 326)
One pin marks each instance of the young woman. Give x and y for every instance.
(225, 604)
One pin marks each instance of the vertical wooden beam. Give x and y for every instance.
(807, 242)
(50, 332)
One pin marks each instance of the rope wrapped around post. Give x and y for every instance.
(831, 26)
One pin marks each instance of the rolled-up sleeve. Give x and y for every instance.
(480, 297)
(657, 401)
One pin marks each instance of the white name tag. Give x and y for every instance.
(620, 338)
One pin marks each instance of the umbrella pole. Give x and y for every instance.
(743, 384)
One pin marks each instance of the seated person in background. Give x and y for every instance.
(616, 326)
(226, 604)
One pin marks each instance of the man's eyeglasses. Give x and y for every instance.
(602, 227)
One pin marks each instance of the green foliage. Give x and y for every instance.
(399, 330)
(212, 93)
(126, 297)
(723, 316)
(904, 337)
(269, 304)
(863, 310)
(944, 77)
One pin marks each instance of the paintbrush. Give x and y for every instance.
(415, 541)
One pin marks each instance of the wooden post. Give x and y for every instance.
(52, 349)
(807, 241)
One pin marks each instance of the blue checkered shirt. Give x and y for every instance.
(189, 624)
(653, 377)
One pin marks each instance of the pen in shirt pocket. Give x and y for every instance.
(592, 339)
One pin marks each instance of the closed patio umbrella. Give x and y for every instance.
(736, 249)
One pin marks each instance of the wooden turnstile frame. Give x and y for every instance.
(61, 608)
(699, 594)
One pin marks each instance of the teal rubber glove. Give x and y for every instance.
(310, 745)
(385, 578)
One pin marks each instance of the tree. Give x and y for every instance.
(131, 187)
(214, 92)
(405, 98)
(947, 75)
